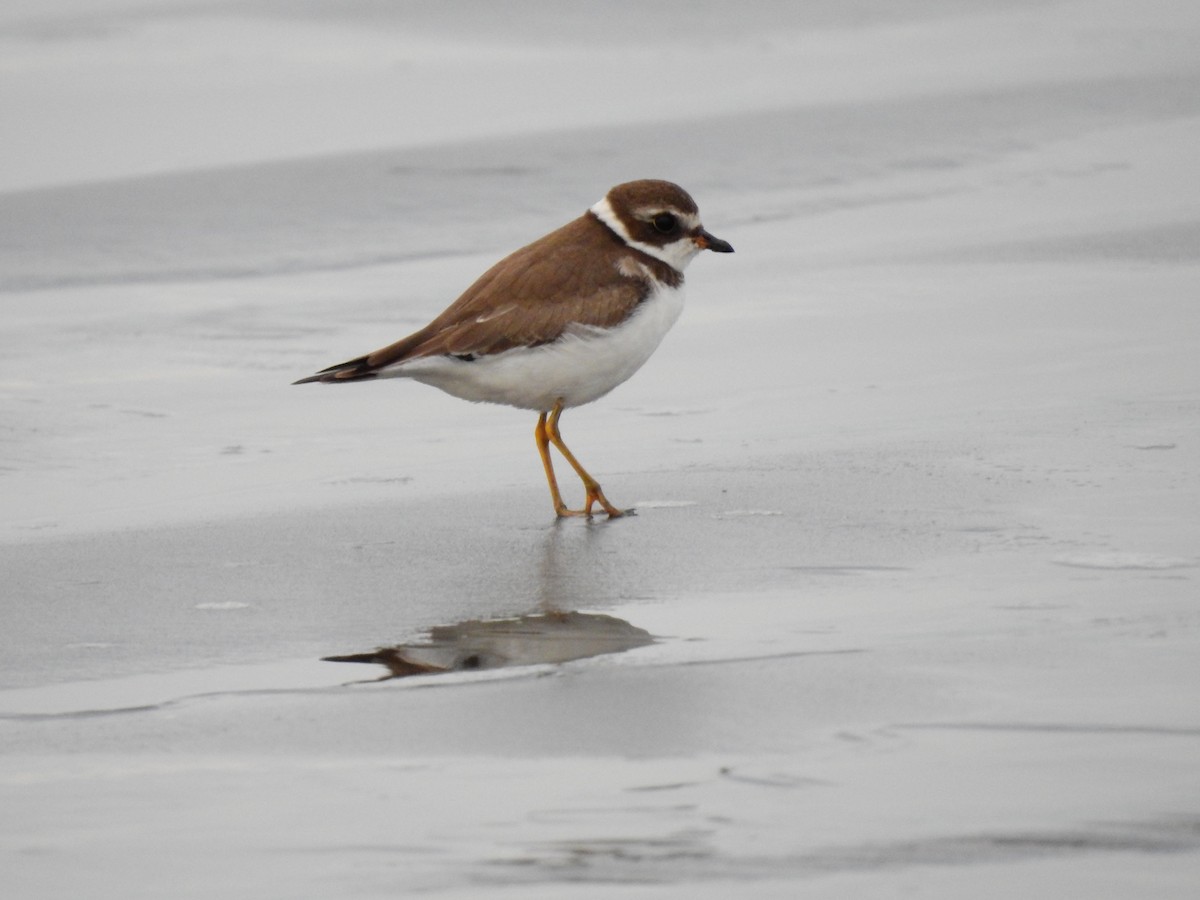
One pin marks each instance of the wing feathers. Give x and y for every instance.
(572, 277)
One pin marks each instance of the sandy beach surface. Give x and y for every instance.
(909, 606)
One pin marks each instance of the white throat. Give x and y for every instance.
(676, 255)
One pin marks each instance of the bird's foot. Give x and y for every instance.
(594, 496)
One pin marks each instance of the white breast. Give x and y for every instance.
(582, 366)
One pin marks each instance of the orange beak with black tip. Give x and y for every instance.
(706, 241)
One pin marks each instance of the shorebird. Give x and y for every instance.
(560, 322)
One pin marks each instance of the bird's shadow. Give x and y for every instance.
(572, 572)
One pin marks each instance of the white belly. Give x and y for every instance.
(580, 367)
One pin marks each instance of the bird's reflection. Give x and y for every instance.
(495, 643)
(570, 573)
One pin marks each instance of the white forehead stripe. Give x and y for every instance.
(676, 255)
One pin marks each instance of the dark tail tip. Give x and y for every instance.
(354, 370)
(375, 657)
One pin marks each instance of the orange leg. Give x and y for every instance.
(543, 444)
(546, 433)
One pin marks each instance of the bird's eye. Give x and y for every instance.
(664, 223)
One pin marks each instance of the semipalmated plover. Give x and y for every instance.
(561, 322)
